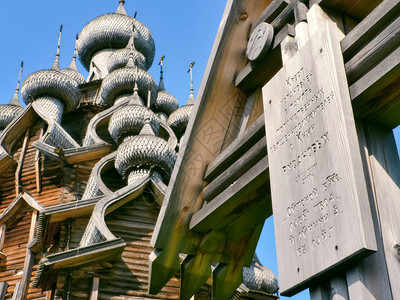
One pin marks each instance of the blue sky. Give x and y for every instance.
(183, 31)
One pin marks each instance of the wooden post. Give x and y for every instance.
(21, 291)
(16, 295)
(3, 229)
(20, 164)
(95, 288)
(3, 289)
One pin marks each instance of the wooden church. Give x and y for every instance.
(110, 190)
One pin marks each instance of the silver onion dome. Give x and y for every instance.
(165, 103)
(9, 111)
(179, 119)
(114, 30)
(119, 58)
(130, 119)
(72, 70)
(122, 81)
(52, 83)
(260, 278)
(144, 152)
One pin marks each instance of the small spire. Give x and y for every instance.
(132, 40)
(72, 65)
(147, 130)
(131, 63)
(121, 9)
(149, 96)
(135, 97)
(161, 84)
(15, 98)
(191, 96)
(56, 64)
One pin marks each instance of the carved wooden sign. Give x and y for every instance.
(320, 202)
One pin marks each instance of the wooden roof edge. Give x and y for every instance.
(91, 130)
(78, 257)
(15, 205)
(70, 206)
(110, 203)
(17, 128)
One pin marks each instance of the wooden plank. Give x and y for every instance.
(271, 12)
(317, 183)
(374, 51)
(369, 27)
(355, 8)
(233, 201)
(20, 164)
(383, 163)
(16, 296)
(236, 170)
(235, 149)
(377, 91)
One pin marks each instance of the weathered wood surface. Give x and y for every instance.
(3, 289)
(372, 55)
(317, 183)
(235, 150)
(236, 170)
(260, 41)
(205, 138)
(244, 197)
(357, 8)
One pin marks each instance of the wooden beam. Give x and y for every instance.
(256, 74)
(233, 201)
(367, 29)
(374, 51)
(236, 149)
(3, 229)
(236, 170)
(355, 8)
(271, 12)
(374, 95)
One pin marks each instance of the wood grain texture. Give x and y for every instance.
(206, 136)
(317, 183)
